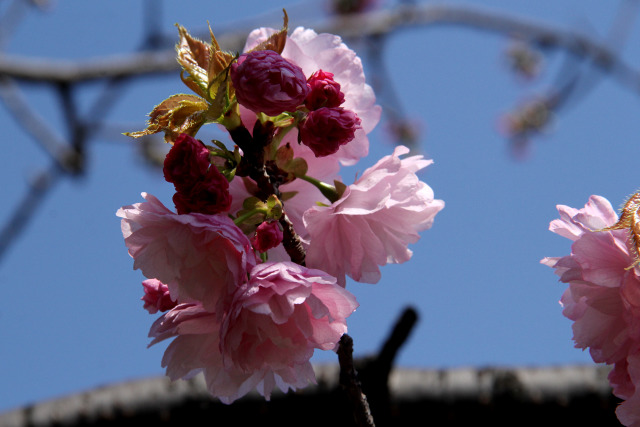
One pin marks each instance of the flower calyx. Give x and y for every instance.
(255, 211)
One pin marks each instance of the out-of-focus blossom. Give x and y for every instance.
(156, 296)
(524, 60)
(267, 337)
(266, 82)
(323, 91)
(603, 297)
(348, 7)
(200, 257)
(313, 52)
(374, 220)
(325, 130)
(186, 163)
(268, 235)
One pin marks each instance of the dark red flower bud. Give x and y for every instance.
(186, 162)
(324, 91)
(266, 82)
(210, 195)
(268, 235)
(326, 129)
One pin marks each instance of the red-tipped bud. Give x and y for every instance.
(324, 91)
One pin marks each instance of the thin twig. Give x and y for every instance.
(39, 187)
(35, 125)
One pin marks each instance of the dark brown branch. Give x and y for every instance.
(350, 384)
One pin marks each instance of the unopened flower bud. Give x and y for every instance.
(186, 162)
(266, 82)
(210, 195)
(156, 296)
(268, 235)
(326, 129)
(324, 91)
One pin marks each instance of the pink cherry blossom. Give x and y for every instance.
(156, 296)
(200, 257)
(266, 338)
(374, 220)
(278, 320)
(313, 52)
(603, 297)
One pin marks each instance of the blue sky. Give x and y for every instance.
(72, 318)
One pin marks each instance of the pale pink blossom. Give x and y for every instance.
(603, 297)
(200, 257)
(156, 296)
(266, 338)
(374, 221)
(275, 324)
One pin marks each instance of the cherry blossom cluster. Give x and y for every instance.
(603, 297)
(250, 270)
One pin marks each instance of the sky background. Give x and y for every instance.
(72, 318)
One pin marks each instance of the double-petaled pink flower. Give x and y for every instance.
(603, 297)
(374, 221)
(200, 257)
(266, 337)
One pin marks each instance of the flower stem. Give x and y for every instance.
(239, 220)
(328, 191)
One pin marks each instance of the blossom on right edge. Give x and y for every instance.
(374, 221)
(603, 297)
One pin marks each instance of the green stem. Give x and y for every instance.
(239, 220)
(328, 191)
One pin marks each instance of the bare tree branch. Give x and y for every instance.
(35, 125)
(34, 196)
(376, 23)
